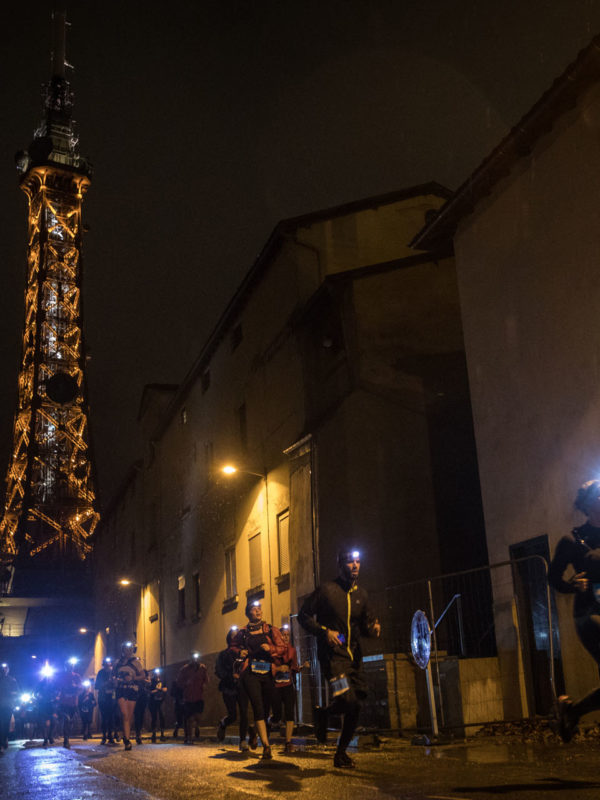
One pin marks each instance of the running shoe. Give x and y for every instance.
(343, 761)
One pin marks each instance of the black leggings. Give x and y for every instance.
(5, 715)
(178, 706)
(231, 700)
(107, 718)
(86, 723)
(156, 715)
(348, 705)
(138, 714)
(588, 630)
(258, 689)
(67, 714)
(284, 696)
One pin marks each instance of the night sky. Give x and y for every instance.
(208, 122)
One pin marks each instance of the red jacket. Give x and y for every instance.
(69, 686)
(192, 679)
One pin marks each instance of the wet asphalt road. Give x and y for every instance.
(396, 769)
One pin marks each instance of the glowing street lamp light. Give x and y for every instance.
(230, 469)
(83, 630)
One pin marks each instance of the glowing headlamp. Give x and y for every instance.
(346, 556)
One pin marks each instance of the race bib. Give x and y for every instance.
(339, 685)
(260, 667)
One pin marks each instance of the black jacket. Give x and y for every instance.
(581, 550)
(343, 607)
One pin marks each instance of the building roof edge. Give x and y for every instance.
(518, 143)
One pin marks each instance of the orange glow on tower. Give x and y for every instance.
(50, 506)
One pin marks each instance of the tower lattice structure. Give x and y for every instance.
(50, 506)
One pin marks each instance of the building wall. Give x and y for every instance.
(396, 461)
(527, 264)
(318, 393)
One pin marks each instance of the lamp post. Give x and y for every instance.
(230, 469)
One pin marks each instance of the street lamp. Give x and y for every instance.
(231, 469)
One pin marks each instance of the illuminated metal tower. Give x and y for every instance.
(50, 508)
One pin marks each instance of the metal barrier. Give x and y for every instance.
(495, 652)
